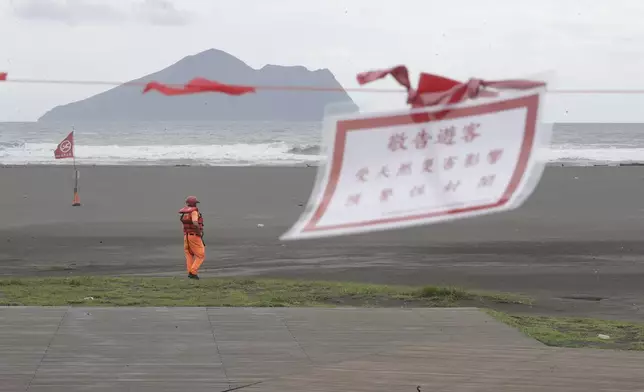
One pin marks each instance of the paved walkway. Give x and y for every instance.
(279, 349)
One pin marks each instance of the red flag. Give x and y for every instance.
(399, 73)
(198, 85)
(65, 148)
(3, 76)
(435, 90)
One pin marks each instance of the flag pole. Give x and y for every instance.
(76, 202)
(74, 148)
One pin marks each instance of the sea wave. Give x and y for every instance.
(307, 149)
(8, 145)
(224, 154)
(593, 154)
(273, 153)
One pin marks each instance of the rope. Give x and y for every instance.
(295, 88)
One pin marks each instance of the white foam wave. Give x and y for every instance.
(278, 153)
(227, 154)
(593, 154)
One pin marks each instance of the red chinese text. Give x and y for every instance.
(428, 165)
(469, 132)
(451, 186)
(397, 142)
(449, 162)
(494, 155)
(353, 200)
(384, 172)
(405, 168)
(486, 180)
(471, 159)
(422, 138)
(385, 194)
(446, 135)
(361, 175)
(417, 191)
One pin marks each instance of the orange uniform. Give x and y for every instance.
(193, 245)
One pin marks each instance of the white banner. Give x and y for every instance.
(424, 166)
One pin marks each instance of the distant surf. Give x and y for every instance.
(277, 153)
(264, 143)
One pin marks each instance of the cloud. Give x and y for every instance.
(76, 12)
(71, 12)
(161, 12)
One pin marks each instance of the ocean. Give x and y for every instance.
(262, 143)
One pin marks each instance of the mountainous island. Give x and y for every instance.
(127, 103)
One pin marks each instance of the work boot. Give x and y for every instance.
(193, 276)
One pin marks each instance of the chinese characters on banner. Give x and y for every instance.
(426, 166)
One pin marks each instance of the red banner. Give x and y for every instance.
(438, 90)
(199, 85)
(65, 148)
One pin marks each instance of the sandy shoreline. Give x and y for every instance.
(578, 235)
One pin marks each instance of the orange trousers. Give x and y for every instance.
(195, 252)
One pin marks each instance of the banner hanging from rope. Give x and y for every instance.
(198, 85)
(464, 150)
(201, 85)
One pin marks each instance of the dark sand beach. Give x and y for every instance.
(575, 245)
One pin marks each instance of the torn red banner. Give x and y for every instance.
(198, 85)
(399, 73)
(438, 90)
(3, 76)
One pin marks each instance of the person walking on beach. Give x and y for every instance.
(193, 245)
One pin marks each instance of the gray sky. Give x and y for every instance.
(588, 44)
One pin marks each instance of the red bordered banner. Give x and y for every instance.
(347, 205)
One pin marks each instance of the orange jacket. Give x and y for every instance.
(187, 217)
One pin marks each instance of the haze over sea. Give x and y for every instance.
(261, 143)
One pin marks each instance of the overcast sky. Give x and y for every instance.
(589, 44)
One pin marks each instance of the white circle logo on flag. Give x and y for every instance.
(65, 146)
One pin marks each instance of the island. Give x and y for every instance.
(127, 103)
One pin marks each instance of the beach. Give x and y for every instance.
(575, 245)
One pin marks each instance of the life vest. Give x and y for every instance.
(186, 220)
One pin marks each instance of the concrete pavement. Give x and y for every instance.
(291, 349)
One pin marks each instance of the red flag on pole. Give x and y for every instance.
(65, 148)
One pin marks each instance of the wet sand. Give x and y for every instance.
(575, 244)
